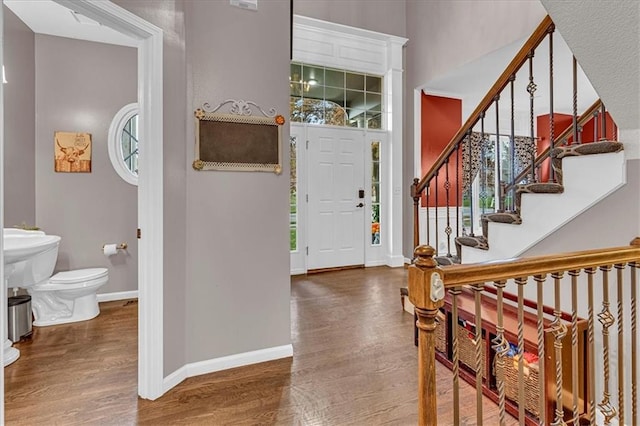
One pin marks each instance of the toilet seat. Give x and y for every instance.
(78, 275)
(77, 278)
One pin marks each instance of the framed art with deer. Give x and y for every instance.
(72, 152)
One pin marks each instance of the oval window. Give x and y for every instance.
(123, 143)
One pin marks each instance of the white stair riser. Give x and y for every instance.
(587, 180)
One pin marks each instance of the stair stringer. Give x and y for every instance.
(587, 180)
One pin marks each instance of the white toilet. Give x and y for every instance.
(68, 296)
(65, 297)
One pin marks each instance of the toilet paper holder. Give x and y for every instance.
(121, 246)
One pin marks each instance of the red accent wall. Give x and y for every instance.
(441, 119)
(612, 130)
(562, 122)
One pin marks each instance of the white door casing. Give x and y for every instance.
(336, 221)
(150, 185)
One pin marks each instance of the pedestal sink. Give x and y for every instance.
(27, 260)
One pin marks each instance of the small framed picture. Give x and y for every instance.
(72, 152)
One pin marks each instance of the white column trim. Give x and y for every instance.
(150, 185)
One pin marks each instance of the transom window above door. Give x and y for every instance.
(321, 95)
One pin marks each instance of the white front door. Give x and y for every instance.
(335, 209)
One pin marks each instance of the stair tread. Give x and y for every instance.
(541, 188)
(477, 241)
(447, 260)
(600, 147)
(503, 217)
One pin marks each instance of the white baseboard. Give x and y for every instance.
(373, 263)
(298, 271)
(407, 261)
(174, 379)
(121, 295)
(395, 261)
(225, 363)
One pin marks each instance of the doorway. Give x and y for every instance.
(336, 197)
(150, 189)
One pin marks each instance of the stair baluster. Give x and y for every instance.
(512, 174)
(447, 187)
(531, 89)
(498, 177)
(551, 111)
(575, 102)
(603, 115)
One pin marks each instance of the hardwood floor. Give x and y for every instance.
(354, 364)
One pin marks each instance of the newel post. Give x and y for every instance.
(426, 292)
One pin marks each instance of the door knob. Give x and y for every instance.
(360, 205)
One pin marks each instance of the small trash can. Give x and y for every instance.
(19, 317)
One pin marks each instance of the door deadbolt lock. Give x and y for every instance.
(361, 193)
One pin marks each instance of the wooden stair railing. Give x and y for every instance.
(448, 184)
(561, 341)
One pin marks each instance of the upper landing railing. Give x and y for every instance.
(538, 362)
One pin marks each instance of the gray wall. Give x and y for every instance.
(238, 284)
(80, 86)
(19, 128)
(610, 223)
(442, 36)
(385, 16)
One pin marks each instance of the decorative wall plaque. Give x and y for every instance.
(238, 140)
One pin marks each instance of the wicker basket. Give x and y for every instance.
(531, 383)
(441, 335)
(467, 350)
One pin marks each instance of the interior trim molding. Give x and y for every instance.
(226, 362)
(118, 295)
(150, 185)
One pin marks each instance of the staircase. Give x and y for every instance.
(541, 208)
(572, 173)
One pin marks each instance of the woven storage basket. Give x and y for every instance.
(531, 383)
(467, 350)
(441, 335)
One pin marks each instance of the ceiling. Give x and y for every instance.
(472, 81)
(50, 18)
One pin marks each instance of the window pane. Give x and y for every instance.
(375, 193)
(356, 118)
(374, 84)
(313, 111)
(374, 101)
(375, 172)
(334, 114)
(293, 194)
(355, 99)
(334, 95)
(334, 88)
(375, 151)
(295, 110)
(334, 78)
(313, 75)
(355, 81)
(374, 120)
